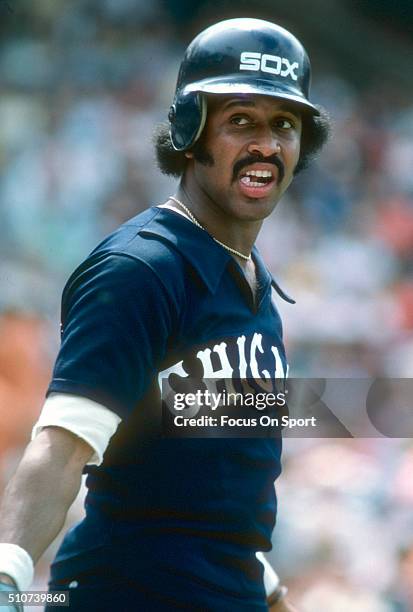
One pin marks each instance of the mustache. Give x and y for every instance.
(253, 159)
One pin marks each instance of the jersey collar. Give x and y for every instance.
(195, 245)
(207, 257)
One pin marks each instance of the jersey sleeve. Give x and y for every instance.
(117, 316)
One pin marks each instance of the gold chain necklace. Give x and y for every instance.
(197, 223)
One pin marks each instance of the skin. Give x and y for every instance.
(236, 128)
(283, 606)
(46, 482)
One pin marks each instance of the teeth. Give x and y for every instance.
(261, 173)
(247, 181)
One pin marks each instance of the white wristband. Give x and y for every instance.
(18, 564)
(271, 579)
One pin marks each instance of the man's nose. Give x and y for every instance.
(264, 143)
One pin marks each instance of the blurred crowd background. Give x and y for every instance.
(81, 86)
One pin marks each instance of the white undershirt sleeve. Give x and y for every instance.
(87, 419)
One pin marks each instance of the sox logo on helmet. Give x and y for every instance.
(263, 61)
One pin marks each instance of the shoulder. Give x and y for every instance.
(134, 257)
(141, 240)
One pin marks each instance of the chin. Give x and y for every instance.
(254, 209)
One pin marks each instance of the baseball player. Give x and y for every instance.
(179, 291)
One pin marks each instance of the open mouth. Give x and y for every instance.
(257, 183)
(256, 178)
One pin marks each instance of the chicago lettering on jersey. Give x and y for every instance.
(248, 360)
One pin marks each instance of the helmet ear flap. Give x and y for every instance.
(187, 117)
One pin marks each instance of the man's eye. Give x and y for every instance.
(238, 120)
(285, 124)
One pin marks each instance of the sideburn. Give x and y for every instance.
(202, 155)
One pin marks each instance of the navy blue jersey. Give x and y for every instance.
(180, 518)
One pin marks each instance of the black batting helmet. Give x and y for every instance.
(237, 56)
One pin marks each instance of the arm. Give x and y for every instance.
(282, 606)
(40, 493)
(116, 317)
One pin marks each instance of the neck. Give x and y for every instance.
(240, 234)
